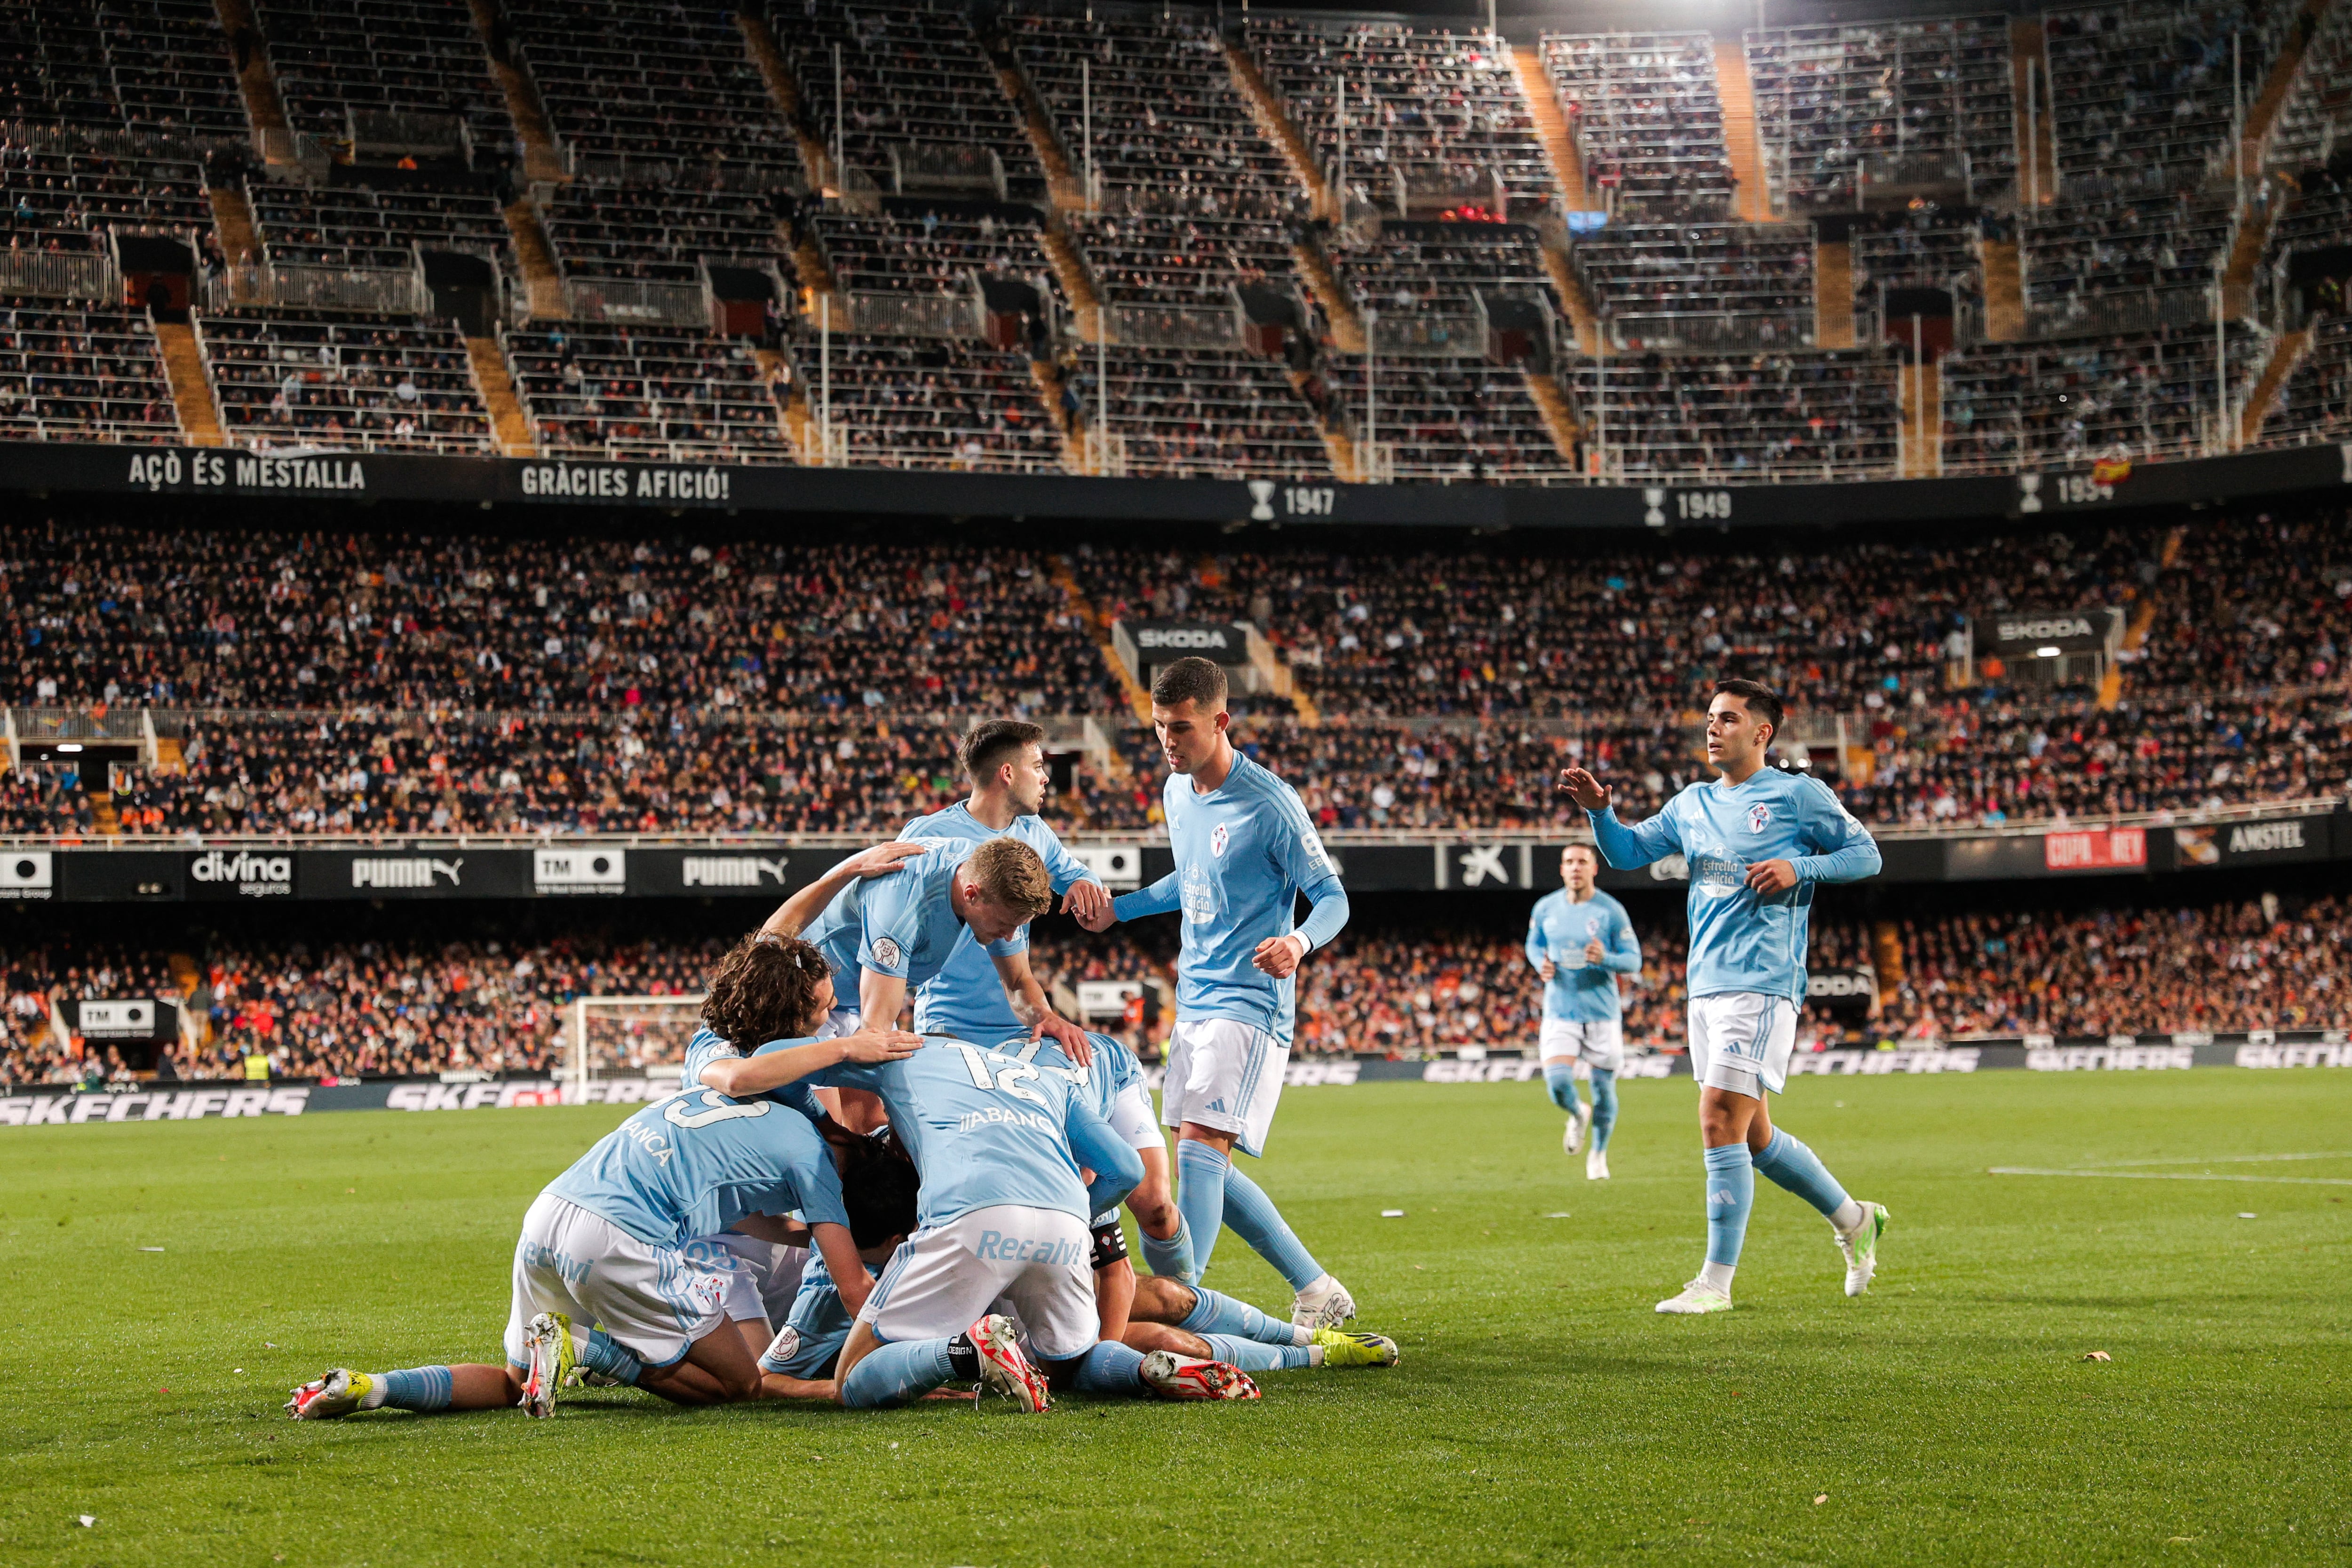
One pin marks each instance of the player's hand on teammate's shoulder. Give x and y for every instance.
(1087, 901)
(881, 859)
(879, 1046)
(1580, 786)
(1067, 1035)
(1770, 876)
(1279, 955)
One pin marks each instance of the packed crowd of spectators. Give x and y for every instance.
(1647, 120)
(901, 253)
(1433, 118)
(2147, 254)
(2140, 396)
(1920, 247)
(919, 98)
(2315, 404)
(655, 231)
(617, 391)
(1202, 414)
(1452, 420)
(1699, 285)
(156, 68)
(2317, 118)
(292, 378)
(935, 402)
(1843, 106)
(1151, 102)
(1179, 259)
(73, 374)
(385, 60)
(1803, 415)
(651, 82)
(2262, 965)
(2141, 96)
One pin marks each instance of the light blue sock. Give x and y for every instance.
(1604, 1107)
(1731, 1194)
(1111, 1368)
(598, 1353)
(416, 1388)
(1213, 1312)
(1257, 1221)
(1171, 1258)
(1201, 1197)
(1791, 1164)
(896, 1373)
(1559, 1081)
(1255, 1355)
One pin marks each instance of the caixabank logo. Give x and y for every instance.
(219, 873)
(573, 872)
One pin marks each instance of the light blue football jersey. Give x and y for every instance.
(695, 1163)
(707, 1047)
(1741, 941)
(1244, 853)
(1580, 991)
(986, 1129)
(822, 1320)
(1100, 1081)
(902, 924)
(967, 998)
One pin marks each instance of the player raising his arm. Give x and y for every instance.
(1580, 941)
(1245, 850)
(1757, 840)
(604, 1245)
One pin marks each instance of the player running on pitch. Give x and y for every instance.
(1580, 941)
(1244, 850)
(1757, 839)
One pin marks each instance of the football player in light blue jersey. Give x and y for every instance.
(1757, 840)
(607, 1242)
(1002, 1145)
(1245, 849)
(1580, 941)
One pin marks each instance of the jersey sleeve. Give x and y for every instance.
(1063, 869)
(1539, 944)
(1843, 850)
(1625, 947)
(700, 1052)
(811, 1184)
(1652, 839)
(1117, 1168)
(891, 923)
(1160, 899)
(1297, 849)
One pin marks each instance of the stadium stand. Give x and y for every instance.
(2141, 96)
(1844, 107)
(926, 112)
(1435, 120)
(2317, 117)
(405, 76)
(2160, 252)
(1700, 286)
(1647, 121)
(2138, 396)
(1777, 415)
(159, 69)
(66, 201)
(354, 226)
(594, 390)
(68, 373)
(2316, 403)
(344, 381)
(655, 231)
(1202, 414)
(934, 403)
(1169, 132)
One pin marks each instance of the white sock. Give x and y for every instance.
(1848, 1217)
(1316, 1354)
(377, 1388)
(1300, 1334)
(1718, 1276)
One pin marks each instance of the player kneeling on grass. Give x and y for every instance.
(1002, 1145)
(605, 1243)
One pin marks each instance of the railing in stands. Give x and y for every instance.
(372, 290)
(2144, 310)
(59, 275)
(1177, 326)
(637, 299)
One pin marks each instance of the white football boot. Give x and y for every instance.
(1324, 1304)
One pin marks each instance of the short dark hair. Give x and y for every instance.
(1190, 680)
(986, 746)
(765, 989)
(1759, 699)
(879, 1187)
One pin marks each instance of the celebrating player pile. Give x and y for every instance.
(1757, 839)
(662, 1258)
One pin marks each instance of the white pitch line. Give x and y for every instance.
(2175, 1176)
(2208, 1160)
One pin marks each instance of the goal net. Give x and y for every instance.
(631, 1036)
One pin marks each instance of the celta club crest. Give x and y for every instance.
(2029, 492)
(1218, 839)
(1261, 501)
(1758, 817)
(1654, 498)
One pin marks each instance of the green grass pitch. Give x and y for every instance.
(1543, 1414)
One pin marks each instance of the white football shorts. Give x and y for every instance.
(1738, 1038)
(1131, 1119)
(1600, 1042)
(1223, 1074)
(655, 1300)
(944, 1278)
(767, 1273)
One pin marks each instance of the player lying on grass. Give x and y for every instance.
(1002, 1145)
(605, 1243)
(1580, 941)
(1757, 841)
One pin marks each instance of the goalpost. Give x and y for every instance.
(614, 1036)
